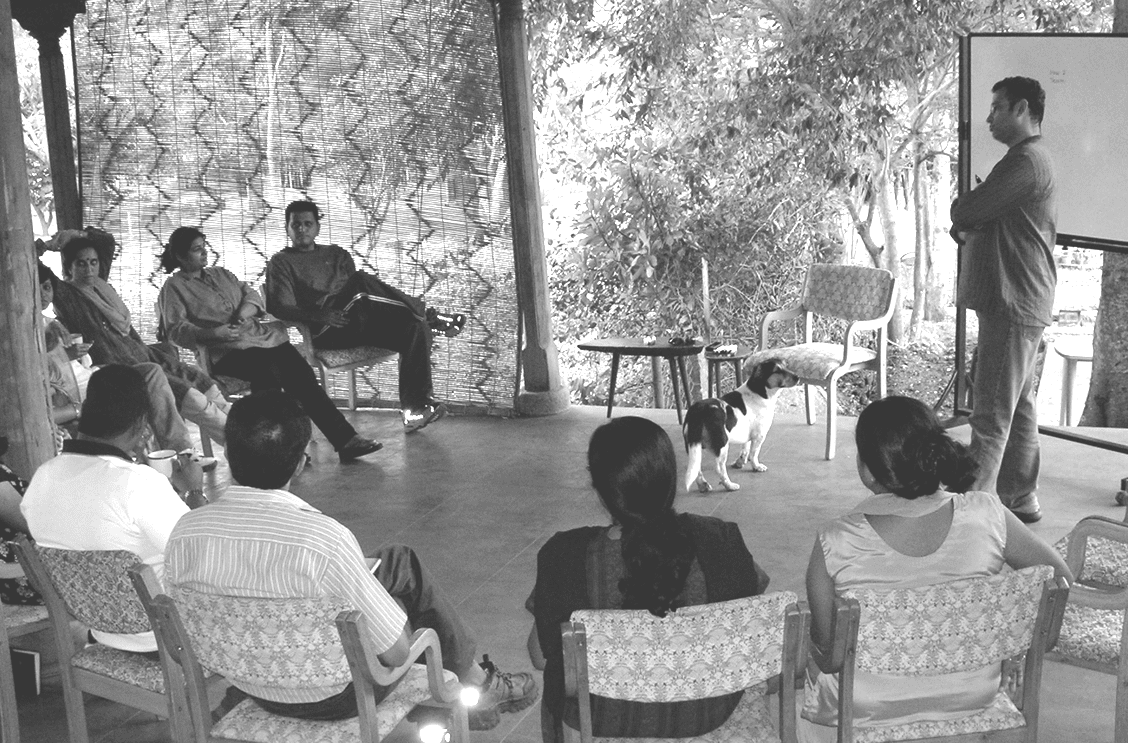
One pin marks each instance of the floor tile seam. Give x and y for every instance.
(497, 572)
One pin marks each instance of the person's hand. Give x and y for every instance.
(187, 474)
(332, 318)
(227, 333)
(78, 350)
(62, 237)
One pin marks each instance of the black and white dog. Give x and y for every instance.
(743, 416)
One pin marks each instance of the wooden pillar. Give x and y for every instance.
(47, 20)
(544, 392)
(23, 387)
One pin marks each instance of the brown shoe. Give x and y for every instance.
(501, 692)
(357, 447)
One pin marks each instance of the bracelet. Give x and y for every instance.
(198, 492)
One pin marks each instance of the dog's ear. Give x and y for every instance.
(734, 400)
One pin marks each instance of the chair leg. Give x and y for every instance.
(9, 716)
(352, 389)
(810, 404)
(831, 419)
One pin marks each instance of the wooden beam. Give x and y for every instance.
(544, 391)
(24, 408)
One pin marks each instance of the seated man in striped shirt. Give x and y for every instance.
(296, 551)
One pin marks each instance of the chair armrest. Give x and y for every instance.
(777, 316)
(1097, 598)
(1092, 526)
(424, 642)
(844, 626)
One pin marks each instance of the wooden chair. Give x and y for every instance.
(94, 588)
(946, 628)
(1094, 633)
(293, 643)
(864, 298)
(340, 360)
(18, 621)
(693, 653)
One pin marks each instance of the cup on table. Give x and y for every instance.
(162, 461)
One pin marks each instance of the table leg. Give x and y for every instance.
(674, 384)
(684, 379)
(736, 363)
(1069, 371)
(709, 390)
(614, 378)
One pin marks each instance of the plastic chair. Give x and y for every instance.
(292, 643)
(694, 653)
(94, 588)
(946, 628)
(18, 621)
(1093, 632)
(864, 298)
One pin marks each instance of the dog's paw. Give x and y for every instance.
(759, 467)
(730, 485)
(703, 486)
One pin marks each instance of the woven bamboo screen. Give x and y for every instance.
(217, 113)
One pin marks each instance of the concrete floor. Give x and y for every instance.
(478, 496)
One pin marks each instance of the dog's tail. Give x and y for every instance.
(693, 467)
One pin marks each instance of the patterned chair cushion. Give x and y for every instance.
(1106, 560)
(948, 627)
(693, 653)
(96, 588)
(250, 722)
(338, 357)
(131, 668)
(272, 643)
(16, 617)
(1000, 715)
(1091, 635)
(751, 722)
(811, 361)
(847, 292)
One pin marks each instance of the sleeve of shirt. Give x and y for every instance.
(348, 267)
(175, 316)
(1013, 181)
(279, 286)
(154, 509)
(246, 291)
(348, 576)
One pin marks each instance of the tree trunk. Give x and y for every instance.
(1107, 402)
(922, 265)
(23, 387)
(891, 257)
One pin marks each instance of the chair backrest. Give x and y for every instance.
(949, 627)
(94, 584)
(693, 653)
(851, 293)
(280, 643)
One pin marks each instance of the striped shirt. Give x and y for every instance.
(272, 544)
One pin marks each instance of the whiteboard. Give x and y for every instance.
(1085, 126)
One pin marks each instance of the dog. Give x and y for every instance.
(743, 417)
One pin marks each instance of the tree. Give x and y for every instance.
(1107, 402)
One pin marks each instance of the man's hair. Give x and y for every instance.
(267, 433)
(116, 401)
(302, 205)
(1024, 89)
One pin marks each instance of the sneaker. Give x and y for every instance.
(501, 692)
(357, 447)
(415, 420)
(1026, 508)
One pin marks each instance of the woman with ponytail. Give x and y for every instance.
(918, 528)
(650, 557)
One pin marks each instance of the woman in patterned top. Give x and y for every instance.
(15, 591)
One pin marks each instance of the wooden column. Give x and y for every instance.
(47, 20)
(544, 392)
(23, 388)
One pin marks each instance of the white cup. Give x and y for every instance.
(161, 460)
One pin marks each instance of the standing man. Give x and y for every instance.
(345, 308)
(1008, 277)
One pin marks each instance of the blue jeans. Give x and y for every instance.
(1004, 419)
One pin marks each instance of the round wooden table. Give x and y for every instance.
(662, 348)
(716, 362)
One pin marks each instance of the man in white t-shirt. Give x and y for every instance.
(94, 497)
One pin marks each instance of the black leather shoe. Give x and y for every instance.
(358, 447)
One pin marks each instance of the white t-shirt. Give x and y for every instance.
(103, 502)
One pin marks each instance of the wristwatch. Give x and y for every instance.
(198, 493)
